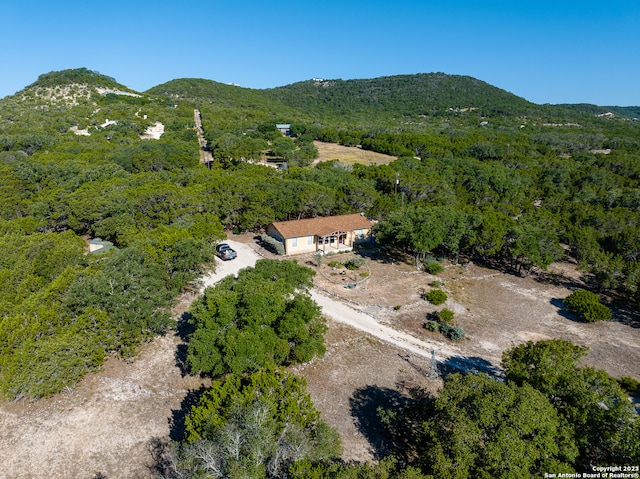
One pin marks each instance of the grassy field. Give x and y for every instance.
(350, 155)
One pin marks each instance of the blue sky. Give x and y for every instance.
(560, 51)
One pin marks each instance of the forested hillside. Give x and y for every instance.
(481, 174)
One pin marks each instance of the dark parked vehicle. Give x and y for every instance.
(225, 252)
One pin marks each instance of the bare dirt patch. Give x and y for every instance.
(350, 155)
(496, 310)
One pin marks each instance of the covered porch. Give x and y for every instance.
(334, 241)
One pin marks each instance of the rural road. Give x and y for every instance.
(343, 313)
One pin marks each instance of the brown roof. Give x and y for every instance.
(322, 226)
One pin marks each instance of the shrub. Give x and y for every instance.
(432, 326)
(335, 264)
(587, 305)
(436, 296)
(273, 244)
(445, 315)
(454, 333)
(433, 267)
(629, 384)
(353, 263)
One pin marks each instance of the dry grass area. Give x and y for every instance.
(107, 423)
(350, 155)
(496, 310)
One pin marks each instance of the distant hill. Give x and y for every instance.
(70, 87)
(421, 94)
(204, 90)
(397, 102)
(626, 111)
(76, 76)
(402, 95)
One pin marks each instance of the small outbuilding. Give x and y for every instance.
(326, 234)
(284, 128)
(98, 245)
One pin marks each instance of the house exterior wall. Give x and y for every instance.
(301, 244)
(274, 233)
(360, 235)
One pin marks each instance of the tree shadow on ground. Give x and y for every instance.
(178, 416)
(556, 279)
(161, 464)
(469, 365)
(383, 255)
(625, 315)
(365, 404)
(622, 313)
(564, 311)
(184, 330)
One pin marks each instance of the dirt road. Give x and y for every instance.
(341, 312)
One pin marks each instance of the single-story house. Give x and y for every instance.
(330, 233)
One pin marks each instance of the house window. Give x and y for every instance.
(309, 240)
(294, 242)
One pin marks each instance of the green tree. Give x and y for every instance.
(130, 288)
(436, 296)
(480, 427)
(254, 426)
(590, 403)
(264, 317)
(587, 305)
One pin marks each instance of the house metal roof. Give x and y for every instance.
(322, 226)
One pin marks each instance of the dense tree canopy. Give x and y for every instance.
(481, 427)
(264, 317)
(590, 403)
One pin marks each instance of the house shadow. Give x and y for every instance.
(368, 405)
(178, 416)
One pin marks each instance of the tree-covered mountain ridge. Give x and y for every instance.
(424, 94)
